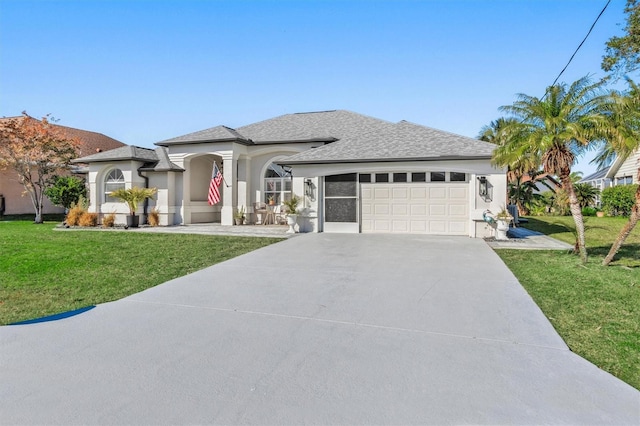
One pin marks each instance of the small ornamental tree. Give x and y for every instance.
(66, 191)
(36, 150)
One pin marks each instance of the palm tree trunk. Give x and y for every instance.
(576, 212)
(625, 231)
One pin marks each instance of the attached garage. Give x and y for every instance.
(425, 208)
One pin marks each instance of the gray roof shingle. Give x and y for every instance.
(218, 133)
(349, 137)
(127, 152)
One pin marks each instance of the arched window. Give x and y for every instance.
(113, 181)
(277, 184)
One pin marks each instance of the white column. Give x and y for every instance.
(243, 178)
(229, 193)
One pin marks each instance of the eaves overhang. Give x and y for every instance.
(385, 160)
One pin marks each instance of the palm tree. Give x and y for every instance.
(554, 129)
(586, 194)
(524, 191)
(623, 139)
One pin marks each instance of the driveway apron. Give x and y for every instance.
(317, 329)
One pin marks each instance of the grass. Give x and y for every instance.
(595, 309)
(44, 271)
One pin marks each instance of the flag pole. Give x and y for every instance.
(223, 179)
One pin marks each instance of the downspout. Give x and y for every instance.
(146, 200)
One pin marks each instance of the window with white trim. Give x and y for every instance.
(113, 181)
(277, 184)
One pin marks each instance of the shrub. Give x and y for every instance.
(154, 217)
(88, 219)
(74, 215)
(619, 200)
(109, 220)
(66, 191)
(589, 211)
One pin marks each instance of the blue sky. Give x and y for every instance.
(144, 71)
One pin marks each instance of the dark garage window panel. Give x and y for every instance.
(341, 185)
(340, 209)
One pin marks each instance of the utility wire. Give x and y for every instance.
(581, 43)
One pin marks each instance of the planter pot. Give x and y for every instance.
(600, 214)
(133, 221)
(291, 221)
(502, 226)
(239, 221)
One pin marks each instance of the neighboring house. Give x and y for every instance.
(624, 171)
(354, 173)
(598, 180)
(12, 190)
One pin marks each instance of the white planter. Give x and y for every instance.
(502, 226)
(291, 221)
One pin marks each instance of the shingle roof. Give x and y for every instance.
(163, 164)
(127, 152)
(218, 133)
(90, 142)
(401, 141)
(349, 137)
(600, 174)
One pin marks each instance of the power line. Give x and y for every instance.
(583, 40)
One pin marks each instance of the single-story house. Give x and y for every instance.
(621, 171)
(12, 190)
(352, 172)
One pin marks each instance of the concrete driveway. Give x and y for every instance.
(317, 329)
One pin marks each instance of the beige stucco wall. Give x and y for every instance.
(15, 201)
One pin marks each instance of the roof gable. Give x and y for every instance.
(127, 152)
(213, 134)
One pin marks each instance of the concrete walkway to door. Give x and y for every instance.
(317, 329)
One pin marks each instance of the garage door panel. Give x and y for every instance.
(426, 208)
(437, 210)
(458, 210)
(381, 209)
(381, 193)
(437, 193)
(399, 226)
(458, 227)
(419, 193)
(437, 226)
(400, 193)
(458, 193)
(418, 210)
(399, 209)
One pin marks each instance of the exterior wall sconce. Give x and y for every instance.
(308, 188)
(483, 189)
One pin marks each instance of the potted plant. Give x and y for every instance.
(292, 212)
(239, 216)
(132, 197)
(270, 200)
(503, 219)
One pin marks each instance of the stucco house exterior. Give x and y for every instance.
(353, 173)
(12, 190)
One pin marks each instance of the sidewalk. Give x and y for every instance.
(526, 239)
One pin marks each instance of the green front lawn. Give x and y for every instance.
(44, 271)
(595, 309)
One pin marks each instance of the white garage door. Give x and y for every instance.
(424, 208)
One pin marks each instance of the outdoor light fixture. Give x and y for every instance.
(483, 189)
(308, 188)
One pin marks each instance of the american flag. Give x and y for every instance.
(214, 191)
